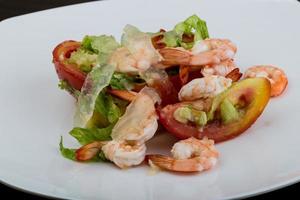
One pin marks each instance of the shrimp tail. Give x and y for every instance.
(234, 75)
(123, 94)
(170, 164)
(173, 56)
(88, 151)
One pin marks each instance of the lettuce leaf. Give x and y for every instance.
(83, 59)
(121, 81)
(85, 136)
(106, 106)
(192, 25)
(94, 83)
(64, 85)
(71, 153)
(65, 152)
(102, 45)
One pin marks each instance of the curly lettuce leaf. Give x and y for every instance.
(106, 106)
(94, 83)
(71, 153)
(85, 136)
(192, 25)
(121, 81)
(65, 152)
(64, 85)
(102, 45)
(85, 60)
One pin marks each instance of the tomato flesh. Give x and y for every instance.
(64, 70)
(254, 92)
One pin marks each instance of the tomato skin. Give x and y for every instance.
(68, 72)
(257, 91)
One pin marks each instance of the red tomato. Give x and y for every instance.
(254, 92)
(66, 71)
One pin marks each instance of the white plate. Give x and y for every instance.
(34, 112)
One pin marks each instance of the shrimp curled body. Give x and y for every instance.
(275, 75)
(137, 125)
(206, 87)
(124, 154)
(221, 69)
(205, 52)
(190, 155)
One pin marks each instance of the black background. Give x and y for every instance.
(10, 8)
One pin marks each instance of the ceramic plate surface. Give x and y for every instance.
(34, 112)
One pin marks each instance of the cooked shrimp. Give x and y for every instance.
(205, 87)
(124, 61)
(275, 75)
(205, 52)
(89, 151)
(138, 124)
(190, 155)
(137, 53)
(134, 128)
(124, 154)
(220, 69)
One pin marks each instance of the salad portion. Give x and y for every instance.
(180, 79)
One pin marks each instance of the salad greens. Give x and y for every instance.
(67, 153)
(85, 136)
(192, 27)
(93, 50)
(121, 81)
(97, 112)
(64, 85)
(83, 59)
(94, 83)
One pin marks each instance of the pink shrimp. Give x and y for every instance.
(190, 155)
(206, 52)
(275, 75)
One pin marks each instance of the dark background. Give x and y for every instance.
(10, 8)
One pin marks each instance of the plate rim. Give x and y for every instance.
(262, 190)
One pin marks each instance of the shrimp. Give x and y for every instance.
(124, 154)
(134, 128)
(220, 69)
(89, 151)
(190, 155)
(137, 52)
(205, 52)
(275, 75)
(139, 122)
(206, 87)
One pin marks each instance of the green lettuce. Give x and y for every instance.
(121, 81)
(85, 60)
(71, 153)
(65, 152)
(193, 25)
(95, 82)
(106, 106)
(102, 45)
(85, 136)
(64, 85)
(171, 39)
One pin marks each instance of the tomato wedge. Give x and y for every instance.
(64, 70)
(254, 93)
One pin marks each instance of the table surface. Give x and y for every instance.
(10, 8)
